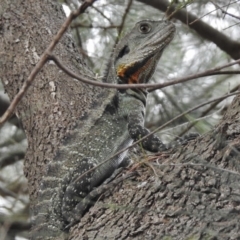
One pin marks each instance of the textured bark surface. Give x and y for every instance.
(54, 101)
(192, 192)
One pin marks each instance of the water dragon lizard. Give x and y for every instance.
(112, 125)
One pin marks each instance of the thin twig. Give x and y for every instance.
(212, 11)
(120, 28)
(43, 60)
(177, 8)
(206, 112)
(223, 11)
(152, 86)
(103, 15)
(79, 25)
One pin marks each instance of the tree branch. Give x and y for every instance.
(225, 43)
(151, 87)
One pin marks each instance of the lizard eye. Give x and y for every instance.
(145, 28)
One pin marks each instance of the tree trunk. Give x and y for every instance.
(190, 192)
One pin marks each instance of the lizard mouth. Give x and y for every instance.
(134, 73)
(137, 58)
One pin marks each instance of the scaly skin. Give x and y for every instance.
(115, 121)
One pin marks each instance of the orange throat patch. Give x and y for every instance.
(132, 73)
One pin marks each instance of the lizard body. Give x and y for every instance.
(114, 122)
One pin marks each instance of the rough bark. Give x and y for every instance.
(54, 101)
(192, 192)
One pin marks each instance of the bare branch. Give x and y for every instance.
(204, 113)
(218, 7)
(224, 42)
(120, 28)
(223, 11)
(151, 87)
(8, 158)
(4, 192)
(79, 25)
(103, 15)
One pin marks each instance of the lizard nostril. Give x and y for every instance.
(123, 52)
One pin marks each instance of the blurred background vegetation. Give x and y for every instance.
(96, 32)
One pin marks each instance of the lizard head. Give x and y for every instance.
(137, 54)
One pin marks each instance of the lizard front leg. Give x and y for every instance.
(152, 143)
(137, 130)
